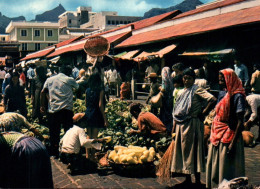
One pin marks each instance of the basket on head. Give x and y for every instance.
(96, 46)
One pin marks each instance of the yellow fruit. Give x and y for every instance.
(112, 154)
(116, 148)
(108, 139)
(143, 159)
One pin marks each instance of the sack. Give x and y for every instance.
(156, 100)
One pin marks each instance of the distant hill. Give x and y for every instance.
(51, 15)
(4, 21)
(184, 6)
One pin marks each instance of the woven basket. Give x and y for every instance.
(133, 170)
(96, 46)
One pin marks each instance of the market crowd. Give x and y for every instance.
(181, 103)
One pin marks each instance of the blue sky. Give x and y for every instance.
(29, 8)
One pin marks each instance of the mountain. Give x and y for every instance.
(184, 6)
(51, 15)
(4, 21)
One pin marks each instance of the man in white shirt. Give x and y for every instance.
(70, 145)
(59, 89)
(112, 76)
(253, 101)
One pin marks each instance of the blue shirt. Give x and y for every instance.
(75, 73)
(242, 73)
(60, 91)
(30, 73)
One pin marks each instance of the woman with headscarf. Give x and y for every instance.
(14, 98)
(167, 100)
(188, 157)
(226, 151)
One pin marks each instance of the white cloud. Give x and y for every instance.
(127, 8)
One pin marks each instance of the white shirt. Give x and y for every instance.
(2, 74)
(203, 83)
(112, 75)
(73, 139)
(254, 102)
(60, 91)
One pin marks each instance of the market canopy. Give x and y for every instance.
(39, 54)
(127, 55)
(130, 54)
(32, 61)
(55, 59)
(207, 53)
(152, 52)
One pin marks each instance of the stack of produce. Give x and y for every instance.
(132, 155)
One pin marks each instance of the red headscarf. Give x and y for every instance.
(220, 130)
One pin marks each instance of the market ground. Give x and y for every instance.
(108, 179)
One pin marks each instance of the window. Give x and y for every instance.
(69, 21)
(125, 22)
(108, 22)
(50, 44)
(49, 33)
(2, 38)
(23, 32)
(121, 22)
(24, 46)
(129, 22)
(37, 46)
(37, 33)
(117, 22)
(113, 22)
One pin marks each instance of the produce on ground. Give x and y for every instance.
(132, 155)
(120, 124)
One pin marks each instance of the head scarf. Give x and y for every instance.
(220, 130)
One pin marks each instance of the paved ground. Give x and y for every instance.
(107, 179)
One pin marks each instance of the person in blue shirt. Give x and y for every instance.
(75, 72)
(241, 71)
(30, 75)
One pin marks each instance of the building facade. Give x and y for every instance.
(107, 20)
(33, 36)
(73, 19)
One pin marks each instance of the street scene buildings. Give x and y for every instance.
(172, 100)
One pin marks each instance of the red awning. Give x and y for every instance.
(118, 38)
(244, 16)
(39, 54)
(78, 46)
(68, 48)
(66, 42)
(159, 53)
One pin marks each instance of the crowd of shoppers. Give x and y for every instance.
(186, 100)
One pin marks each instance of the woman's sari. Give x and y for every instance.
(221, 131)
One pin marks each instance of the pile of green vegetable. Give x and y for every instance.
(120, 124)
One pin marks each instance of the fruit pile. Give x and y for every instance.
(132, 154)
